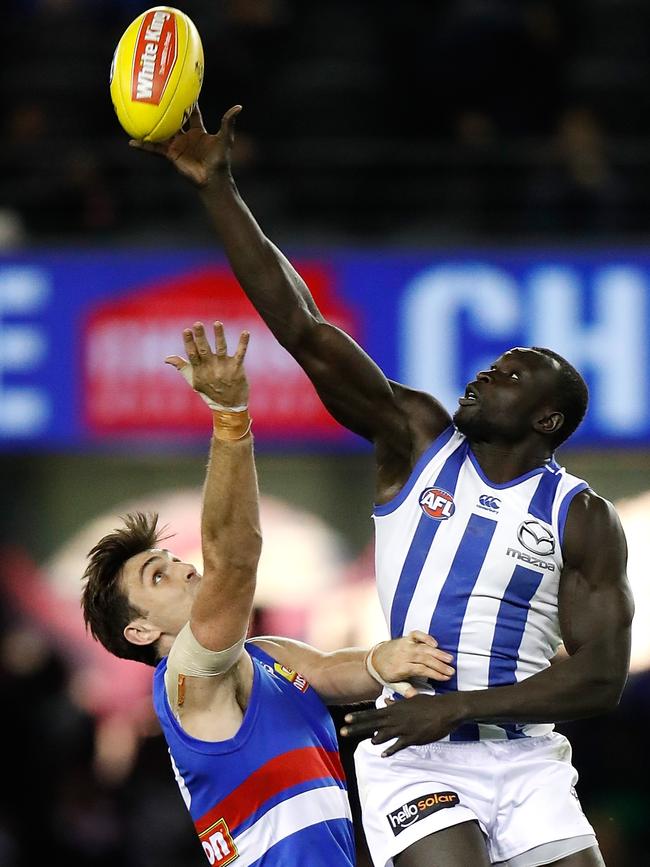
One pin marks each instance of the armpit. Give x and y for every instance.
(189, 658)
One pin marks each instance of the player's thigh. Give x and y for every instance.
(458, 846)
(586, 858)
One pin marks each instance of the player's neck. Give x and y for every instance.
(502, 463)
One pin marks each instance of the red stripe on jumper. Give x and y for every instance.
(282, 772)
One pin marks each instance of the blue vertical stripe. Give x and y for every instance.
(423, 537)
(509, 631)
(564, 507)
(510, 625)
(541, 505)
(447, 620)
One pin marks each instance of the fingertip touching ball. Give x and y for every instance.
(157, 73)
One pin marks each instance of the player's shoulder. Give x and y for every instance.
(589, 508)
(427, 417)
(591, 517)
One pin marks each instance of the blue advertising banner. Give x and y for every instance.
(83, 336)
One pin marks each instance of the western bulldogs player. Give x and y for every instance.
(252, 745)
(482, 540)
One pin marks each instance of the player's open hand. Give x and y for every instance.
(196, 153)
(419, 720)
(219, 377)
(415, 655)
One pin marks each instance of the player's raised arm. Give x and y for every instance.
(350, 384)
(230, 528)
(207, 665)
(595, 608)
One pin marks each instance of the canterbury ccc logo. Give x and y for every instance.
(437, 503)
(489, 502)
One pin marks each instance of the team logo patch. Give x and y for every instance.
(487, 501)
(218, 845)
(536, 537)
(419, 808)
(292, 676)
(437, 503)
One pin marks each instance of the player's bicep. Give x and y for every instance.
(222, 608)
(593, 612)
(292, 654)
(595, 600)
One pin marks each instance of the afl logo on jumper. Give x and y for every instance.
(536, 537)
(437, 503)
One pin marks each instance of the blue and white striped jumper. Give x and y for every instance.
(477, 565)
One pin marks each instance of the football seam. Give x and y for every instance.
(182, 64)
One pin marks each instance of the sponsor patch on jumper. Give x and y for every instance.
(410, 813)
(292, 676)
(218, 845)
(537, 538)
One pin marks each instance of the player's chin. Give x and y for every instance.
(462, 418)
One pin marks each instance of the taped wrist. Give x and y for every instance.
(231, 426)
(187, 373)
(399, 686)
(188, 658)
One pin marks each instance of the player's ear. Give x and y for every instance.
(141, 632)
(550, 422)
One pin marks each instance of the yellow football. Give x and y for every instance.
(157, 73)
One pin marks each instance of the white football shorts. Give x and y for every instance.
(521, 792)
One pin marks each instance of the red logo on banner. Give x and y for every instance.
(128, 390)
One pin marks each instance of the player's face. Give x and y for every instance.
(161, 585)
(503, 402)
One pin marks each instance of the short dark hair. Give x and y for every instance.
(571, 394)
(105, 604)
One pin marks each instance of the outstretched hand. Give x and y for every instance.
(419, 720)
(196, 153)
(217, 376)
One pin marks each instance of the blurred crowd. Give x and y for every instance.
(415, 122)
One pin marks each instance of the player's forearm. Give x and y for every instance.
(230, 528)
(586, 684)
(269, 280)
(341, 677)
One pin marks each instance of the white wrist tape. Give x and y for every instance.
(187, 373)
(399, 686)
(188, 657)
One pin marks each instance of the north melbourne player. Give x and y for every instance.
(252, 745)
(482, 540)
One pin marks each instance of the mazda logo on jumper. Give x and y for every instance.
(536, 537)
(413, 811)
